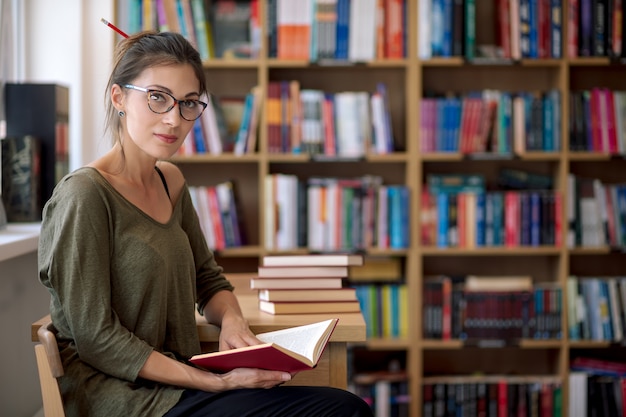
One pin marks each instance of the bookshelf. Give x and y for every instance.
(409, 81)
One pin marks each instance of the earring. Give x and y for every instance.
(121, 114)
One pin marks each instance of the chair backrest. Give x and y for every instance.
(50, 368)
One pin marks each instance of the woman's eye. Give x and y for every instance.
(154, 96)
(190, 104)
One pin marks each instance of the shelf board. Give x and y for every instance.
(233, 63)
(387, 344)
(589, 344)
(240, 252)
(492, 344)
(492, 251)
(332, 63)
(588, 61)
(601, 250)
(486, 156)
(588, 156)
(212, 158)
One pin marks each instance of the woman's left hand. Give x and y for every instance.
(235, 333)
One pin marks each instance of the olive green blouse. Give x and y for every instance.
(122, 285)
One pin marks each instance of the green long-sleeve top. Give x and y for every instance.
(122, 285)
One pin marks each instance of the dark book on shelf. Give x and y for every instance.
(21, 178)
(230, 21)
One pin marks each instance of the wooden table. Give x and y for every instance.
(332, 368)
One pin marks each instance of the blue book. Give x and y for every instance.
(446, 45)
(198, 136)
(524, 16)
(242, 134)
(440, 144)
(442, 220)
(524, 216)
(489, 239)
(535, 219)
(548, 123)
(480, 219)
(533, 38)
(436, 34)
(556, 29)
(498, 219)
(398, 216)
(555, 96)
(539, 314)
(342, 29)
(395, 310)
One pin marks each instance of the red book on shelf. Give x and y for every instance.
(394, 29)
(572, 28)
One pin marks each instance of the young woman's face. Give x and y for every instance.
(160, 135)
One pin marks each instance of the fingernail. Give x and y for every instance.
(286, 377)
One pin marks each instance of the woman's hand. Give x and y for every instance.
(235, 333)
(253, 378)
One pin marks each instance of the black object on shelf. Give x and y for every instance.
(42, 111)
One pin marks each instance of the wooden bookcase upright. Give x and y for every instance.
(408, 81)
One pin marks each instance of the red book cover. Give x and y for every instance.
(596, 125)
(543, 26)
(504, 27)
(328, 121)
(611, 122)
(216, 219)
(394, 29)
(572, 29)
(274, 353)
(511, 218)
(503, 399)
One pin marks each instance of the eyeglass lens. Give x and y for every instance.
(161, 102)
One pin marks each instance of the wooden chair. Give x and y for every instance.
(50, 368)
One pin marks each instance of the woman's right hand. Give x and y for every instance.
(253, 378)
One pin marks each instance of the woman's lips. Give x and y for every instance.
(167, 138)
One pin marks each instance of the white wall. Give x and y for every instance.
(66, 43)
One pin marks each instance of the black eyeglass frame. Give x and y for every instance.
(148, 91)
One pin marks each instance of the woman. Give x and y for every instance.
(124, 259)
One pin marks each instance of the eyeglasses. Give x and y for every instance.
(161, 102)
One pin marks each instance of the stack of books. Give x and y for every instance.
(301, 284)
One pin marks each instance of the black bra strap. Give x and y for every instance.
(164, 182)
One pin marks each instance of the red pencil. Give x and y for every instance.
(112, 26)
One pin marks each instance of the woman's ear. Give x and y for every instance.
(117, 97)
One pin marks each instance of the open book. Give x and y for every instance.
(291, 350)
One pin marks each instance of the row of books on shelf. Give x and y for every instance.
(386, 392)
(504, 308)
(384, 308)
(491, 121)
(596, 213)
(597, 387)
(595, 28)
(218, 28)
(597, 121)
(524, 29)
(228, 124)
(315, 122)
(299, 284)
(470, 219)
(216, 207)
(354, 30)
(596, 308)
(493, 395)
(334, 214)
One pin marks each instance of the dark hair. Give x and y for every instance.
(144, 50)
